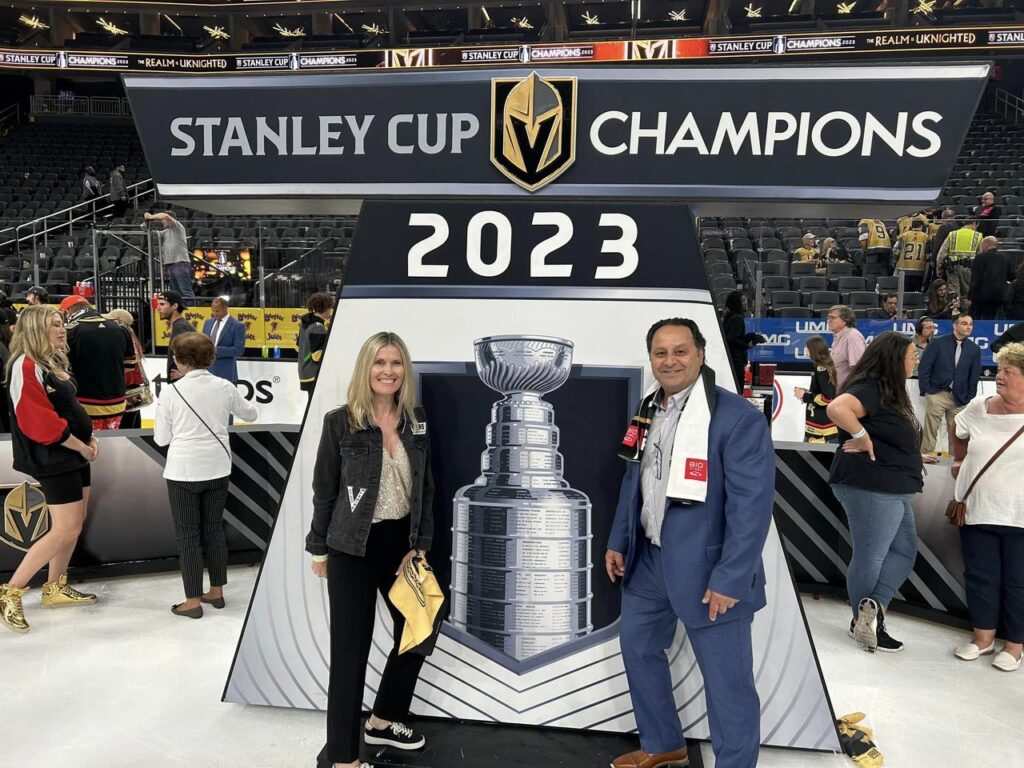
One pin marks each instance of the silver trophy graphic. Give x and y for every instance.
(521, 536)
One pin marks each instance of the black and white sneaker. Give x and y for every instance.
(865, 627)
(886, 644)
(397, 735)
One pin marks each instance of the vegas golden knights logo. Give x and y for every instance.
(533, 128)
(26, 516)
(651, 49)
(411, 57)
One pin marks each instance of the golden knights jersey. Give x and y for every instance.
(911, 250)
(877, 234)
(904, 223)
(933, 230)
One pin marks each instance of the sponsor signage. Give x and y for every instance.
(786, 338)
(700, 134)
(264, 329)
(974, 40)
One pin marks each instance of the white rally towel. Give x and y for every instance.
(688, 471)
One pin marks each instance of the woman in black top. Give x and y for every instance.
(818, 427)
(51, 438)
(737, 339)
(875, 475)
(372, 513)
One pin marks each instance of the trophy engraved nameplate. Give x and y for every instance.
(521, 564)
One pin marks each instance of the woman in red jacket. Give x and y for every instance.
(51, 436)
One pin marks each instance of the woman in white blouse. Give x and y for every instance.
(192, 417)
(993, 536)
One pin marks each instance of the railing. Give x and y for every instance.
(27, 235)
(1008, 105)
(10, 118)
(80, 106)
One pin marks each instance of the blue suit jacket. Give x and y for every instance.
(230, 347)
(936, 372)
(716, 544)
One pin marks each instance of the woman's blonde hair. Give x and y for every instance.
(121, 317)
(1012, 354)
(360, 396)
(32, 339)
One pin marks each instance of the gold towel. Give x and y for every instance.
(418, 597)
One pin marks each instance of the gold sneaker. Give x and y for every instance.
(58, 593)
(11, 612)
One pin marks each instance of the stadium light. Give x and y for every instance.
(678, 15)
(590, 20)
(33, 22)
(285, 32)
(752, 12)
(217, 33)
(843, 8)
(345, 23)
(111, 27)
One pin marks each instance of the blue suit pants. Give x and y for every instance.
(724, 656)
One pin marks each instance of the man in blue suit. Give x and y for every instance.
(948, 378)
(696, 560)
(228, 336)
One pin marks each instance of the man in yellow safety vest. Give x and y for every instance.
(957, 255)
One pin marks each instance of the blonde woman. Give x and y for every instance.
(372, 497)
(51, 436)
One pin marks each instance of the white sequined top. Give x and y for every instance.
(395, 486)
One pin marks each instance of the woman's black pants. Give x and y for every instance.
(353, 584)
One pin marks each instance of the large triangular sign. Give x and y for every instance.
(544, 308)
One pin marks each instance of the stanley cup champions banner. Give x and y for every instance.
(825, 136)
(526, 322)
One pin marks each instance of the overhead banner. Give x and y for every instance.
(821, 136)
(544, 317)
(950, 41)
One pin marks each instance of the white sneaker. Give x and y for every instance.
(970, 651)
(1006, 662)
(865, 629)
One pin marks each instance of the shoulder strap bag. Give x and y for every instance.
(174, 386)
(956, 511)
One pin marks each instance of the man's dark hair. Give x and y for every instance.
(734, 302)
(320, 302)
(683, 322)
(174, 298)
(890, 295)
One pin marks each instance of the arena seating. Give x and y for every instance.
(990, 161)
(42, 166)
(41, 173)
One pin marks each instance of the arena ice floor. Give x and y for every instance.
(125, 684)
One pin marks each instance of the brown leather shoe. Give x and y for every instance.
(641, 759)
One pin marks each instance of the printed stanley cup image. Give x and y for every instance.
(521, 536)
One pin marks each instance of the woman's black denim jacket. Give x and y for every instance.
(347, 475)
